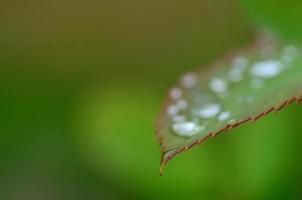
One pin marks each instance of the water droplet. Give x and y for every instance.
(232, 122)
(182, 104)
(238, 67)
(175, 93)
(223, 116)
(256, 83)
(189, 80)
(208, 111)
(218, 85)
(266, 69)
(172, 110)
(290, 52)
(235, 75)
(186, 129)
(240, 62)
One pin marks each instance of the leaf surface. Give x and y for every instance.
(244, 86)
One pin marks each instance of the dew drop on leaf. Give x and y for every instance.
(182, 104)
(223, 116)
(232, 122)
(175, 93)
(290, 52)
(186, 129)
(189, 80)
(208, 111)
(172, 110)
(218, 85)
(266, 69)
(236, 72)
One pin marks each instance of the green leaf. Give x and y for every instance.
(242, 87)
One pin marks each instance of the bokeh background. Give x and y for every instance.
(81, 83)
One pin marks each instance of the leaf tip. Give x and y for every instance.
(161, 168)
(165, 157)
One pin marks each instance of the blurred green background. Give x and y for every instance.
(81, 83)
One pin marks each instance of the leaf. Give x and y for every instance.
(242, 87)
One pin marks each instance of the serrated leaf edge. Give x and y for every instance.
(166, 156)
